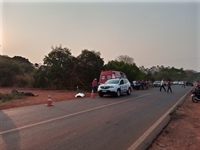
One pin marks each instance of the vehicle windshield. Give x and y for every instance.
(113, 81)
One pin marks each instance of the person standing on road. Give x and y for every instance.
(147, 84)
(184, 83)
(94, 85)
(134, 84)
(162, 86)
(142, 84)
(169, 87)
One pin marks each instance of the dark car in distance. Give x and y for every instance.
(189, 83)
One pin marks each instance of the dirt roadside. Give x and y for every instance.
(56, 96)
(182, 132)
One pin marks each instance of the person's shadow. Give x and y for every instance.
(9, 140)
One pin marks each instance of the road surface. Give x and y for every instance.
(107, 123)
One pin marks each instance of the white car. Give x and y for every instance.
(115, 87)
(175, 82)
(180, 82)
(156, 84)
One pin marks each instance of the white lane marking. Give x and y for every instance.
(77, 113)
(135, 145)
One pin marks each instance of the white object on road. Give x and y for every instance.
(80, 95)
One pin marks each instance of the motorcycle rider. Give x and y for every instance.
(197, 88)
(196, 93)
(198, 84)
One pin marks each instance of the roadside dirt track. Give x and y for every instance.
(183, 131)
(56, 95)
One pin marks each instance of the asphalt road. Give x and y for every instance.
(107, 123)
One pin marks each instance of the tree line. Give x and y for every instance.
(61, 70)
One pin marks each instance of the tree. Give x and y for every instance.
(9, 69)
(131, 70)
(59, 65)
(25, 64)
(126, 59)
(21, 59)
(88, 66)
(41, 78)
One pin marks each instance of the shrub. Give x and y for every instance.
(9, 97)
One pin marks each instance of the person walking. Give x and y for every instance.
(147, 84)
(94, 85)
(169, 87)
(142, 84)
(134, 84)
(162, 86)
(184, 83)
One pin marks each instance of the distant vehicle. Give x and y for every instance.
(175, 82)
(106, 75)
(136, 86)
(180, 82)
(115, 87)
(189, 83)
(156, 83)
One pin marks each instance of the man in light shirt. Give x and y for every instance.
(162, 86)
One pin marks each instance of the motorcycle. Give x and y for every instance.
(195, 96)
(23, 93)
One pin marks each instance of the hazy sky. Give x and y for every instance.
(152, 32)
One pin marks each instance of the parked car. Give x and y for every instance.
(180, 82)
(189, 83)
(136, 86)
(156, 83)
(175, 82)
(115, 87)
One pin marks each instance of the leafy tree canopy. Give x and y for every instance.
(9, 69)
(21, 59)
(89, 64)
(60, 63)
(131, 70)
(126, 59)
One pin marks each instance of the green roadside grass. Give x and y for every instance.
(9, 97)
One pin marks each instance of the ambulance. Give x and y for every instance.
(110, 74)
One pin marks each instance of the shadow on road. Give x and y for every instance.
(8, 140)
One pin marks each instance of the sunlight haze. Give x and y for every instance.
(152, 32)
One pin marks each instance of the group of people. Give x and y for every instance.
(162, 86)
(143, 84)
(139, 85)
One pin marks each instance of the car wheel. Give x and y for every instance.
(118, 93)
(15, 92)
(129, 91)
